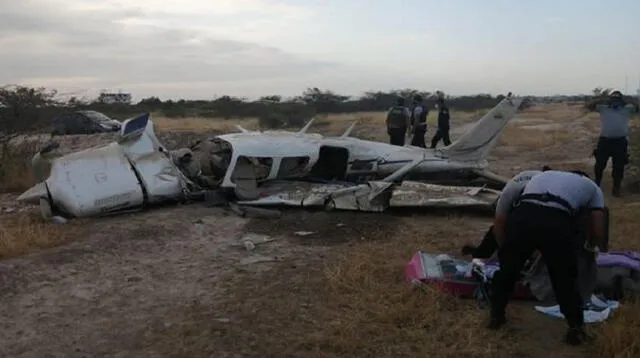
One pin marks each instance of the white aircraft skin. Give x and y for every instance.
(370, 160)
(137, 170)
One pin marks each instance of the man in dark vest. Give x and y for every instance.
(443, 125)
(419, 122)
(398, 122)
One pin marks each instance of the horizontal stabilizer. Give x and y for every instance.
(348, 131)
(241, 129)
(306, 126)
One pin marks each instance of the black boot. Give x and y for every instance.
(577, 336)
(468, 250)
(616, 191)
(496, 321)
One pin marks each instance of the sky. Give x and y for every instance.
(201, 49)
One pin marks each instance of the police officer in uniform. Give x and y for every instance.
(613, 140)
(509, 194)
(545, 216)
(398, 122)
(419, 122)
(443, 125)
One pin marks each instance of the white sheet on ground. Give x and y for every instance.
(597, 310)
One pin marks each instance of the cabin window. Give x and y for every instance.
(293, 167)
(254, 167)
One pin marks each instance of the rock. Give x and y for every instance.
(249, 245)
(257, 259)
(59, 220)
(304, 233)
(257, 238)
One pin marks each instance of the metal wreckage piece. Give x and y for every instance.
(265, 169)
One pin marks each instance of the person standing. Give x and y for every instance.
(442, 132)
(546, 217)
(613, 140)
(398, 122)
(419, 122)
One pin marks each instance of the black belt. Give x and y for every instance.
(546, 198)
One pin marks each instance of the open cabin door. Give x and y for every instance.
(332, 164)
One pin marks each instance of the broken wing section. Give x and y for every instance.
(373, 196)
(417, 194)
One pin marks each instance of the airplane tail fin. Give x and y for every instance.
(476, 143)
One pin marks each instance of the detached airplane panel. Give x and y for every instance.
(294, 193)
(93, 182)
(160, 177)
(416, 194)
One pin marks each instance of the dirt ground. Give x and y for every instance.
(179, 282)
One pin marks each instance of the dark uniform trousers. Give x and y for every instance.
(418, 136)
(553, 232)
(441, 134)
(488, 245)
(396, 135)
(616, 149)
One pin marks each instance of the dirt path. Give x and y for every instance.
(178, 281)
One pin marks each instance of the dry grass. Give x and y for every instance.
(192, 124)
(619, 337)
(15, 172)
(331, 124)
(527, 138)
(352, 301)
(26, 232)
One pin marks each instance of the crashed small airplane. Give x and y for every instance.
(270, 168)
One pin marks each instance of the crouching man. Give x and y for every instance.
(545, 216)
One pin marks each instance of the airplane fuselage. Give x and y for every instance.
(345, 158)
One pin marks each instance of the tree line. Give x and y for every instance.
(24, 109)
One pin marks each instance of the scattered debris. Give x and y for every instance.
(249, 245)
(247, 211)
(256, 259)
(251, 240)
(304, 233)
(59, 220)
(214, 198)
